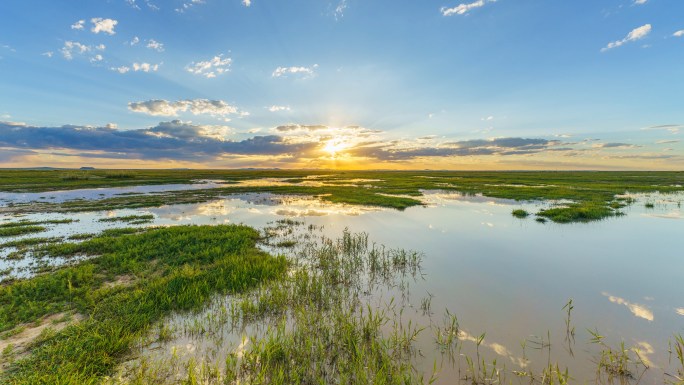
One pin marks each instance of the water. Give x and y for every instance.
(507, 277)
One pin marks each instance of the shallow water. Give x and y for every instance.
(504, 276)
(100, 193)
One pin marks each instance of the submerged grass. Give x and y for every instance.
(593, 194)
(177, 269)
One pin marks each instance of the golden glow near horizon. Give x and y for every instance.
(334, 146)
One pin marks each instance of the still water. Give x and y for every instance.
(506, 277)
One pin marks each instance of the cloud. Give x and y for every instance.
(96, 58)
(155, 45)
(246, 3)
(121, 70)
(103, 25)
(195, 106)
(278, 108)
(680, 311)
(475, 147)
(73, 47)
(298, 127)
(464, 8)
(210, 68)
(305, 71)
(168, 140)
(189, 4)
(614, 145)
(339, 9)
(79, 25)
(638, 310)
(679, 33)
(145, 67)
(48, 54)
(640, 2)
(636, 34)
(673, 128)
(667, 141)
(134, 41)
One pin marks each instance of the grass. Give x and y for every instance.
(176, 269)
(131, 219)
(11, 229)
(519, 213)
(594, 195)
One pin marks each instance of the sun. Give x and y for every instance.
(333, 146)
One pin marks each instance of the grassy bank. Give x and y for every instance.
(131, 282)
(591, 195)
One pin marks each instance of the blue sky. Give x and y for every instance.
(380, 84)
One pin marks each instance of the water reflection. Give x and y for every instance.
(638, 310)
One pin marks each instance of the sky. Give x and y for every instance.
(346, 84)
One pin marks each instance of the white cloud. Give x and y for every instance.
(194, 106)
(679, 33)
(155, 45)
(640, 2)
(79, 25)
(246, 3)
(487, 119)
(73, 47)
(189, 4)
(339, 10)
(464, 8)
(121, 70)
(96, 58)
(210, 68)
(103, 25)
(48, 53)
(284, 71)
(134, 41)
(100, 47)
(145, 67)
(278, 108)
(634, 35)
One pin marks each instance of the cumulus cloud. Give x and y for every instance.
(168, 140)
(640, 2)
(79, 25)
(679, 33)
(155, 45)
(145, 67)
(194, 106)
(246, 3)
(210, 68)
(134, 41)
(285, 71)
(103, 25)
(464, 8)
(96, 58)
(636, 34)
(73, 47)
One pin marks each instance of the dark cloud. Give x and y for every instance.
(167, 140)
(476, 147)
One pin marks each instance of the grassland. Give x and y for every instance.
(589, 195)
(130, 282)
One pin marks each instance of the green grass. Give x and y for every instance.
(136, 219)
(519, 213)
(20, 230)
(593, 194)
(176, 269)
